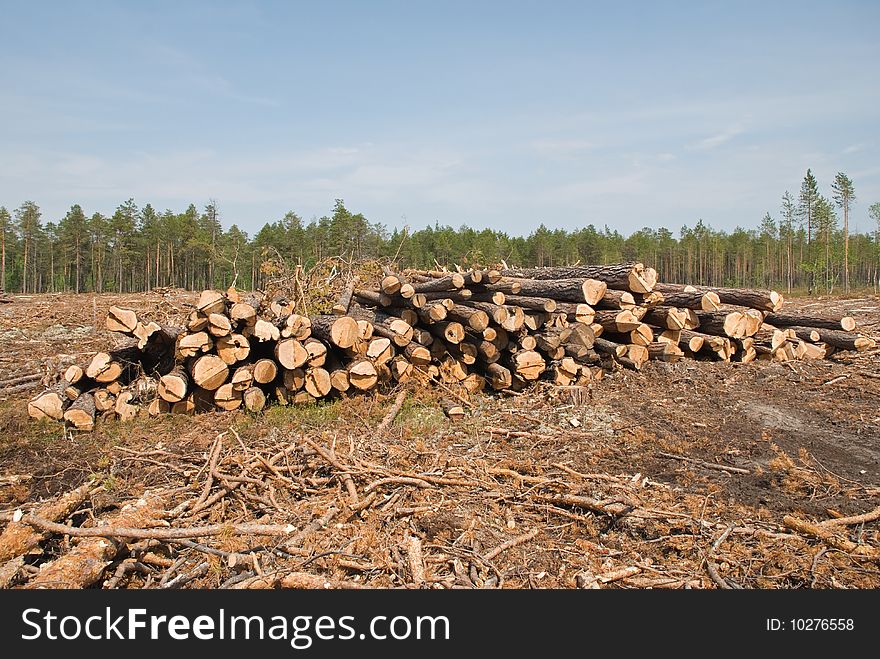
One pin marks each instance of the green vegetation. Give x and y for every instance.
(804, 247)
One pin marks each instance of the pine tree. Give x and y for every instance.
(844, 195)
(74, 232)
(787, 222)
(807, 201)
(27, 219)
(5, 226)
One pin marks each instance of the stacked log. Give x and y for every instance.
(495, 329)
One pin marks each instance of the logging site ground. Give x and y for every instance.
(695, 474)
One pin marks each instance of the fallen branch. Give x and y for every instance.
(703, 463)
(826, 535)
(513, 542)
(157, 534)
(392, 413)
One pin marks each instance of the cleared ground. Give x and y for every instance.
(677, 476)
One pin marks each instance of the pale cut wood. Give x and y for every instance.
(341, 331)
(417, 354)
(665, 351)
(219, 324)
(227, 397)
(362, 374)
(81, 413)
(265, 371)
(51, 403)
(211, 302)
(453, 409)
(174, 386)
(470, 317)
(580, 313)
(121, 320)
(318, 382)
(294, 379)
(339, 380)
(341, 306)
(451, 331)
(617, 321)
(262, 331)
(836, 338)
(125, 409)
(401, 369)
(499, 376)
(317, 351)
(290, 353)
(197, 322)
(158, 406)
(209, 372)
(528, 364)
(233, 348)
(669, 336)
(296, 326)
(254, 399)
(243, 377)
(243, 313)
(104, 368)
(104, 400)
(516, 319)
(190, 345)
(73, 374)
(365, 329)
(380, 350)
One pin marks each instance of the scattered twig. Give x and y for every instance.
(702, 463)
(392, 413)
(157, 534)
(513, 542)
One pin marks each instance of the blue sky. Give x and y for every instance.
(494, 114)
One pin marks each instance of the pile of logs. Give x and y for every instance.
(498, 329)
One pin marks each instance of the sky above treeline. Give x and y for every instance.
(492, 114)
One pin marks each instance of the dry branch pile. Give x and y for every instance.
(463, 331)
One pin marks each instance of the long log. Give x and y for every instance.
(589, 291)
(532, 303)
(836, 338)
(795, 319)
(633, 277)
(764, 300)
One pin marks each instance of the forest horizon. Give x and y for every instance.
(807, 247)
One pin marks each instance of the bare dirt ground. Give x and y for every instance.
(679, 476)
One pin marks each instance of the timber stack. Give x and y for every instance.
(497, 329)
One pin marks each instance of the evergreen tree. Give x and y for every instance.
(844, 196)
(807, 201)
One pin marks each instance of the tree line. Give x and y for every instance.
(807, 246)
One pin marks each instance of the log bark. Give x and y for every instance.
(633, 277)
(617, 321)
(341, 331)
(342, 305)
(764, 300)
(580, 313)
(448, 282)
(697, 300)
(588, 291)
(616, 299)
(471, 317)
(795, 319)
(532, 303)
(81, 413)
(836, 338)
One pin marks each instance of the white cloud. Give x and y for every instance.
(716, 140)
